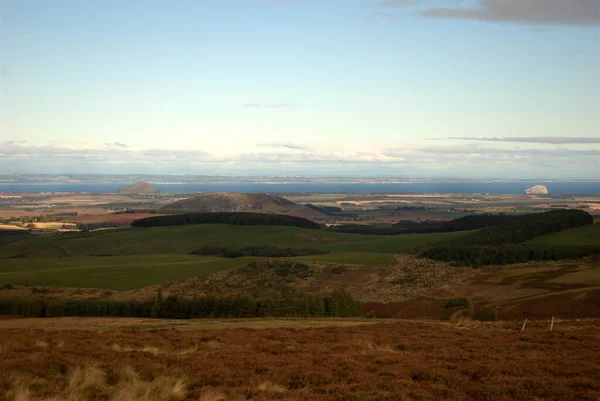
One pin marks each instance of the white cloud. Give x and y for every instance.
(553, 140)
(292, 146)
(437, 160)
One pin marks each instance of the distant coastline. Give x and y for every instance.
(497, 187)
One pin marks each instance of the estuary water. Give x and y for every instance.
(471, 187)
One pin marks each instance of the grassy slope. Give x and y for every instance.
(184, 239)
(149, 256)
(232, 202)
(112, 272)
(138, 271)
(585, 235)
(34, 247)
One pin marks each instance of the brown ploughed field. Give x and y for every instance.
(275, 360)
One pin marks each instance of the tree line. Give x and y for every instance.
(466, 223)
(480, 255)
(242, 218)
(523, 228)
(504, 243)
(337, 304)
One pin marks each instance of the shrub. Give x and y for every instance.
(462, 302)
(487, 314)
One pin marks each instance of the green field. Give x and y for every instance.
(112, 272)
(185, 239)
(121, 273)
(584, 235)
(139, 257)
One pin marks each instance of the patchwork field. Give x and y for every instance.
(400, 360)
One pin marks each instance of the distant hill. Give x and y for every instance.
(139, 188)
(232, 202)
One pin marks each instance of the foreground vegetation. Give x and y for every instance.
(338, 304)
(408, 360)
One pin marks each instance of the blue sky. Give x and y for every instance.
(437, 88)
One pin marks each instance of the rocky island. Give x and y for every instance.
(537, 190)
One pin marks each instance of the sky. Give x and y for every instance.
(405, 88)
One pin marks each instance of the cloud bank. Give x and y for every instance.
(283, 146)
(469, 161)
(552, 140)
(570, 12)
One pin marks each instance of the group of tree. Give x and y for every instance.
(246, 219)
(480, 255)
(268, 251)
(337, 304)
(476, 222)
(525, 227)
(504, 243)
(471, 222)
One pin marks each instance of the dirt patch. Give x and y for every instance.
(315, 237)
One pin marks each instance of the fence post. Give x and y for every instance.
(552, 324)
(524, 324)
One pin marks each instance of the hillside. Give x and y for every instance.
(413, 287)
(232, 202)
(139, 188)
(185, 239)
(368, 279)
(379, 271)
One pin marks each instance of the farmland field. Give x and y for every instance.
(112, 272)
(100, 359)
(128, 259)
(184, 239)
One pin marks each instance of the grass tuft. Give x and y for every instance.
(269, 387)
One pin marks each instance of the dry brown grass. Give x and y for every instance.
(88, 382)
(405, 360)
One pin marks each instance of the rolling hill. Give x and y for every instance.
(233, 202)
(380, 271)
(139, 188)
